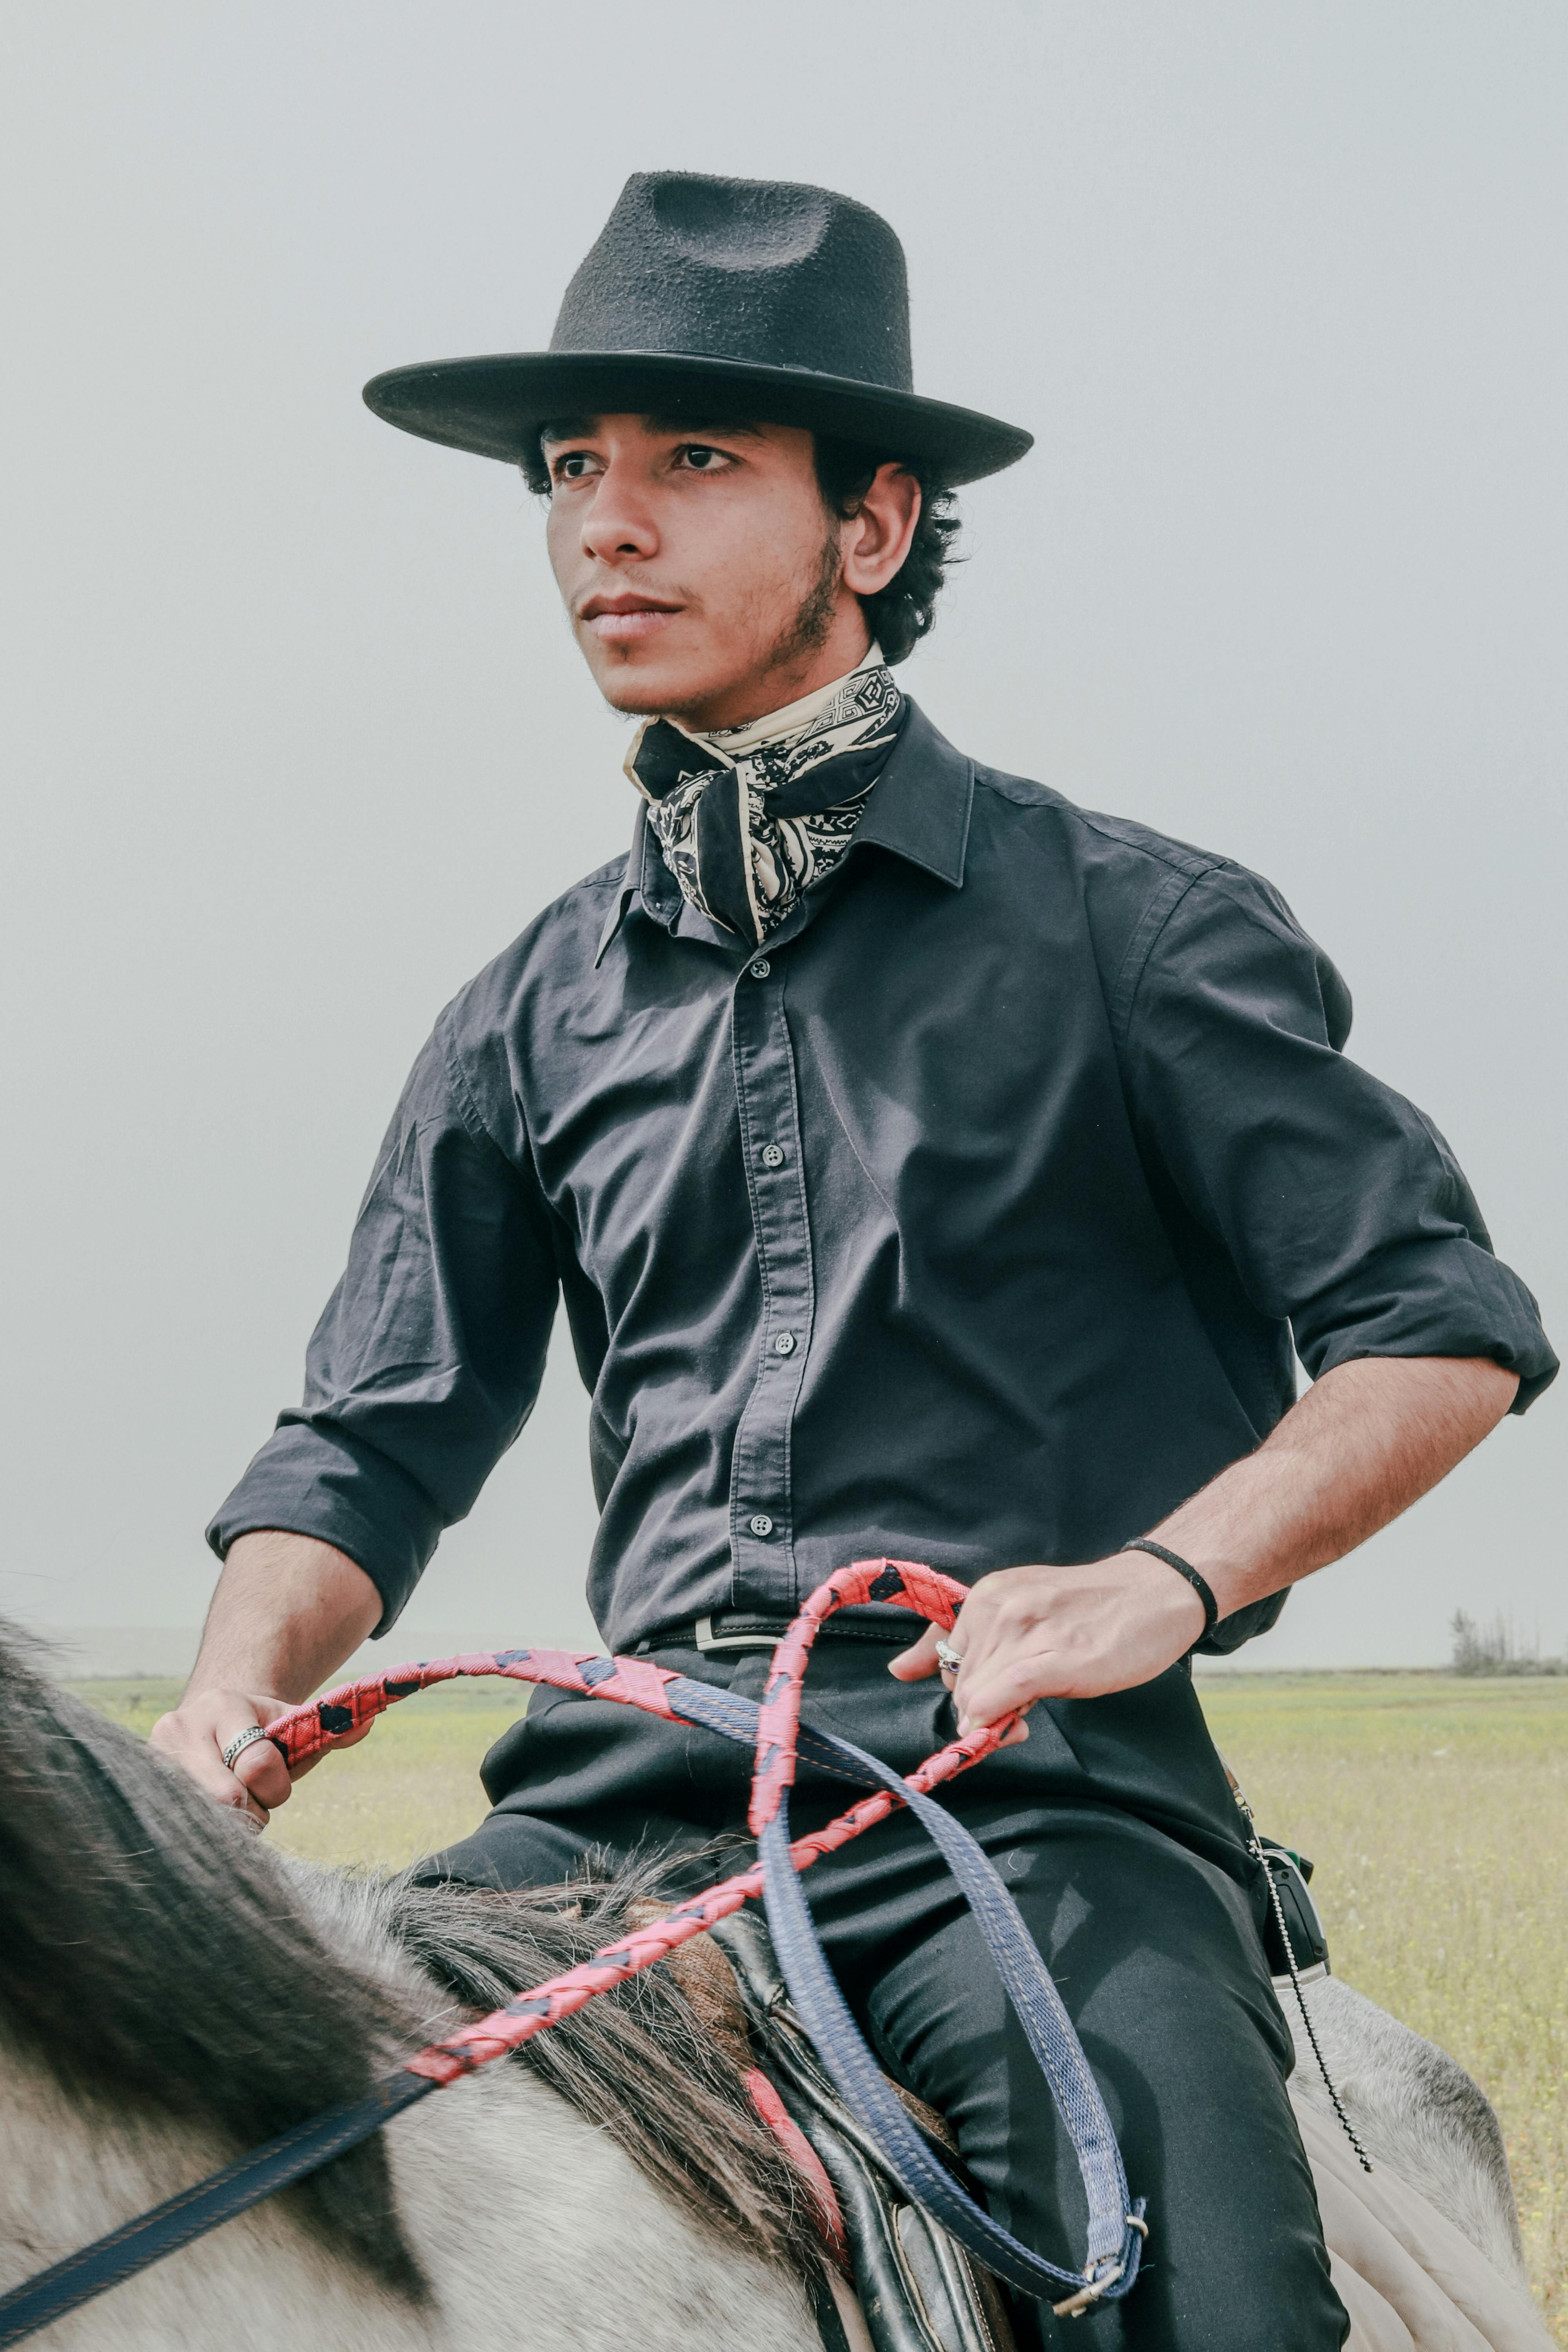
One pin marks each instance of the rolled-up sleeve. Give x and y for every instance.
(1339, 1204)
(428, 1358)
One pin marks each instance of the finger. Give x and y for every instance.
(1004, 1683)
(1005, 1687)
(1015, 1734)
(913, 1665)
(260, 1772)
(197, 1753)
(977, 1640)
(1017, 1729)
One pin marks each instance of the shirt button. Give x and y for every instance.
(760, 969)
(773, 1155)
(785, 1344)
(762, 1524)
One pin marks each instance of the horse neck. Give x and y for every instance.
(72, 2169)
(520, 2212)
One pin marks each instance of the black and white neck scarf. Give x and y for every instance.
(749, 818)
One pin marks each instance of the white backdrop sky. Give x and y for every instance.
(297, 738)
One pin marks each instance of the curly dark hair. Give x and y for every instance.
(903, 612)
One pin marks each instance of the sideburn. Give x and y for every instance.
(808, 632)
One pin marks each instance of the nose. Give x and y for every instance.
(618, 527)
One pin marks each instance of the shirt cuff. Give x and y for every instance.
(1440, 1297)
(310, 1481)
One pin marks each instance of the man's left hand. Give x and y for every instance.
(1026, 1633)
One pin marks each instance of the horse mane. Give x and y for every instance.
(659, 2064)
(153, 1953)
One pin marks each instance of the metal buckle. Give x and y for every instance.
(1087, 2296)
(708, 1640)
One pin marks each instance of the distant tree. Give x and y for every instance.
(1493, 1650)
(1470, 1653)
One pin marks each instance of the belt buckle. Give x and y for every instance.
(708, 1640)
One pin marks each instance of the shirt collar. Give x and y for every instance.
(921, 803)
(918, 808)
(640, 880)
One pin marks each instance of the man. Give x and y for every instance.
(928, 1167)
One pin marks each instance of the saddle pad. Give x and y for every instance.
(1408, 2278)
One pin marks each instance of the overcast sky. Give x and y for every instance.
(297, 738)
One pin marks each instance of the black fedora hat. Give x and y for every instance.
(760, 299)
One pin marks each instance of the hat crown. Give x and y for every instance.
(771, 272)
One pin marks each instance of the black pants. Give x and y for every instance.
(1116, 1832)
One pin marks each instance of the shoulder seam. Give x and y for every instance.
(1141, 947)
(1193, 864)
(1179, 856)
(1158, 915)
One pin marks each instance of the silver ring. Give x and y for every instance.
(947, 1658)
(247, 1738)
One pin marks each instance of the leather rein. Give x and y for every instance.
(1116, 2226)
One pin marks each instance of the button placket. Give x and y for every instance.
(760, 1496)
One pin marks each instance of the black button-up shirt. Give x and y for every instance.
(971, 1219)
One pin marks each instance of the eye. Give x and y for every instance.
(700, 458)
(573, 466)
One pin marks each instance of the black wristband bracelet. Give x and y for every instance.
(1182, 1568)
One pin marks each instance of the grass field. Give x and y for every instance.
(1433, 1807)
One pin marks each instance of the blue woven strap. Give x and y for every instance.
(50, 2295)
(1114, 2243)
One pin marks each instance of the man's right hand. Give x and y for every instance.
(288, 1611)
(198, 1730)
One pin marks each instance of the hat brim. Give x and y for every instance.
(495, 406)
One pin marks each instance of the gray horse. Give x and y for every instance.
(172, 1992)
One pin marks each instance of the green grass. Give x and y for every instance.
(1435, 1811)
(1434, 1808)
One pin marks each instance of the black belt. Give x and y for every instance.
(744, 1629)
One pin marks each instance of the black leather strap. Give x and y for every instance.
(1182, 1568)
(742, 1629)
(38, 2302)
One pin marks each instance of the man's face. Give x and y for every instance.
(701, 570)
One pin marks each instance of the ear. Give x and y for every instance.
(876, 538)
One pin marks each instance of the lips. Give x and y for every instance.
(626, 620)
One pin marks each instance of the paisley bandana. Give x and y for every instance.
(749, 818)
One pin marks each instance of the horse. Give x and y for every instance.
(172, 1992)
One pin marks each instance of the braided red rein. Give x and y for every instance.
(323, 1723)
